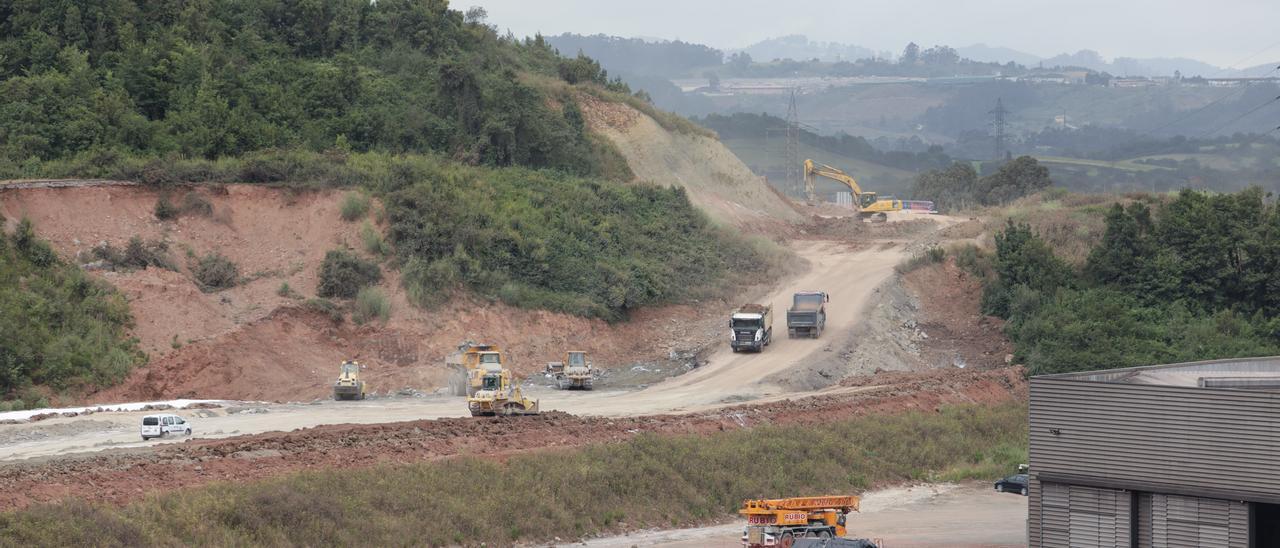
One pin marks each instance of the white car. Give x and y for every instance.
(159, 426)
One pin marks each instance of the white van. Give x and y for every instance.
(159, 426)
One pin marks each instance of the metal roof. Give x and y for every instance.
(1253, 374)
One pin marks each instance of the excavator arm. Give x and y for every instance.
(813, 170)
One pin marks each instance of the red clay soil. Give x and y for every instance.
(951, 315)
(117, 476)
(248, 342)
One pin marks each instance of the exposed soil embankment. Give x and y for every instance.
(124, 475)
(716, 180)
(253, 342)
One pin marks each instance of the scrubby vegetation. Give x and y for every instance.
(1192, 280)
(565, 493)
(215, 272)
(371, 304)
(539, 240)
(343, 274)
(354, 206)
(59, 328)
(136, 255)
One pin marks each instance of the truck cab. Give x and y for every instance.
(807, 316)
(751, 328)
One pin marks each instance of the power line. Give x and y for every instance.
(998, 124)
(1211, 103)
(1237, 118)
(792, 153)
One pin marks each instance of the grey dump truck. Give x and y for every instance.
(807, 316)
(752, 328)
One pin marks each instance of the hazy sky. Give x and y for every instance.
(1221, 32)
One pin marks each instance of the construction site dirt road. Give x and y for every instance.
(849, 272)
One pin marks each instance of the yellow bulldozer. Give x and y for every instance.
(499, 395)
(349, 386)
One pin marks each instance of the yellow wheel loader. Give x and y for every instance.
(349, 386)
(575, 372)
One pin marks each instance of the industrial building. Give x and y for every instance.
(1169, 455)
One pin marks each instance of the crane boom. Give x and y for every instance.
(801, 503)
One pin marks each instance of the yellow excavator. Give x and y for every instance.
(868, 205)
(349, 385)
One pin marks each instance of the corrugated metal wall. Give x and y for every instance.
(1193, 522)
(1200, 451)
(1221, 440)
(1085, 517)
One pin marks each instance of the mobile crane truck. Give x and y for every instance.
(781, 522)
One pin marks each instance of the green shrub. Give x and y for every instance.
(195, 204)
(287, 292)
(325, 306)
(343, 274)
(371, 303)
(931, 255)
(373, 242)
(165, 210)
(136, 255)
(215, 272)
(354, 206)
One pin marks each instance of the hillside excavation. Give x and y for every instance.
(349, 385)
(575, 372)
(780, 522)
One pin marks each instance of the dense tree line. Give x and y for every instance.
(217, 78)
(1196, 280)
(959, 186)
(742, 125)
(59, 327)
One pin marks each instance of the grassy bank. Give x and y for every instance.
(649, 481)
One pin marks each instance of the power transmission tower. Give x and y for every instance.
(792, 154)
(998, 125)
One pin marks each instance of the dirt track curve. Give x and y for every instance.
(849, 272)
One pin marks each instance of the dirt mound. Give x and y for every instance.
(716, 180)
(122, 475)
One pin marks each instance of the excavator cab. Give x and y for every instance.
(577, 359)
(866, 199)
(491, 382)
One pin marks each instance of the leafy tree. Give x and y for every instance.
(950, 189)
(1023, 261)
(1015, 179)
(910, 54)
